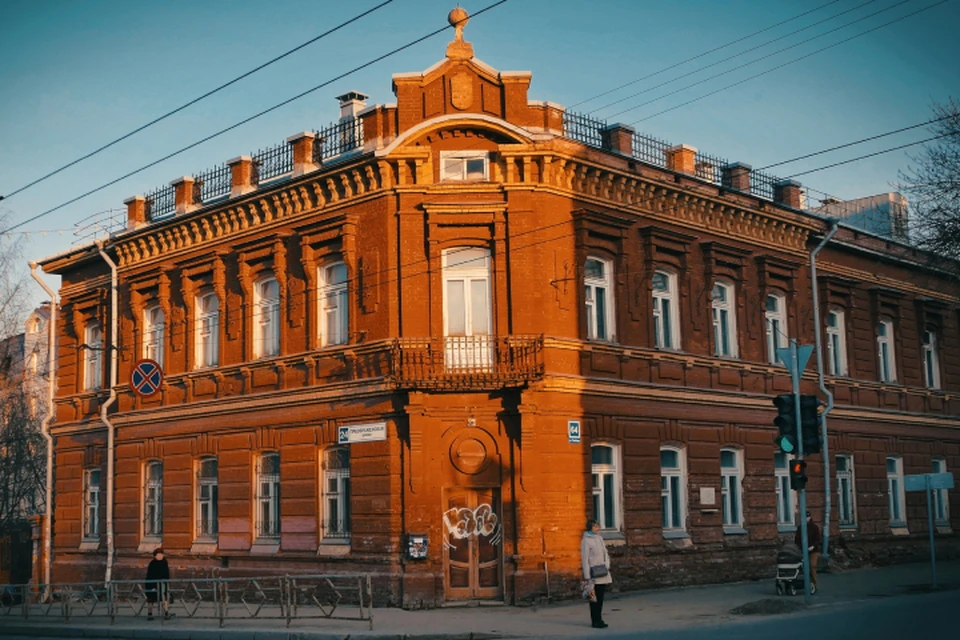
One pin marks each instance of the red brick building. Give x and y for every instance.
(447, 283)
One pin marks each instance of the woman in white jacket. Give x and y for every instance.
(596, 567)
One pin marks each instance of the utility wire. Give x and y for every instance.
(870, 155)
(705, 53)
(246, 120)
(198, 99)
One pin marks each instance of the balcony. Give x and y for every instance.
(467, 362)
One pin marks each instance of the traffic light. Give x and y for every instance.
(786, 422)
(798, 474)
(810, 424)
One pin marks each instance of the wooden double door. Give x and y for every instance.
(473, 544)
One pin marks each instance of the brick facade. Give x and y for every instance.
(477, 456)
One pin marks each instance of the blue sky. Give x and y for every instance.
(75, 75)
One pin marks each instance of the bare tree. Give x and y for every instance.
(932, 184)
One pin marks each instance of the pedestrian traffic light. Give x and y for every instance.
(810, 423)
(798, 474)
(786, 422)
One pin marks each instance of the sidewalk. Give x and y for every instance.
(630, 612)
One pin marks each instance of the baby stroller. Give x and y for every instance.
(790, 570)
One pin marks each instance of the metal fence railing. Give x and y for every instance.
(160, 203)
(288, 598)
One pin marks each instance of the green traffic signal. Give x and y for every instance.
(786, 422)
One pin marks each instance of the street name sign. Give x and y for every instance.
(918, 482)
(369, 432)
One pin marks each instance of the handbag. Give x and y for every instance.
(587, 592)
(598, 571)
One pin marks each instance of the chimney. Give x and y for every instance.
(186, 194)
(351, 103)
(618, 138)
(736, 176)
(136, 212)
(682, 159)
(788, 193)
(304, 144)
(241, 176)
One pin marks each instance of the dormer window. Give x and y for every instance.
(464, 165)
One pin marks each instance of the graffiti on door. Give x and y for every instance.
(463, 523)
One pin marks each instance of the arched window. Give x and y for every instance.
(731, 486)
(207, 499)
(336, 493)
(153, 330)
(886, 353)
(673, 499)
(153, 499)
(723, 303)
(666, 315)
(776, 321)
(598, 298)
(266, 319)
(207, 332)
(467, 313)
(268, 495)
(837, 342)
(605, 467)
(334, 314)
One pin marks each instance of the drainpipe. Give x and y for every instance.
(823, 388)
(106, 405)
(45, 425)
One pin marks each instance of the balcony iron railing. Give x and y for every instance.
(467, 362)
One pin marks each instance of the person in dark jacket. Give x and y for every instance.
(813, 546)
(156, 591)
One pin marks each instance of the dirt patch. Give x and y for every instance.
(768, 606)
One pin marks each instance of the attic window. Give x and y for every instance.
(464, 165)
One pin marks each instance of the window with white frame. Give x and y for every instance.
(467, 310)
(666, 318)
(334, 312)
(153, 334)
(846, 491)
(724, 320)
(598, 298)
(941, 497)
(776, 322)
(153, 499)
(673, 499)
(266, 320)
(464, 165)
(92, 357)
(604, 465)
(731, 486)
(207, 498)
(268, 495)
(886, 358)
(91, 504)
(336, 493)
(931, 359)
(207, 343)
(837, 342)
(895, 491)
(785, 510)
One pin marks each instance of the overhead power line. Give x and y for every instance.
(870, 155)
(198, 99)
(248, 119)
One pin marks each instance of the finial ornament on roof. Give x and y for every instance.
(459, 49)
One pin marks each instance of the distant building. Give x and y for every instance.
(884, 214)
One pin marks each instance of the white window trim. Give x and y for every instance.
(940, 496)
(851, 496)
(152, 527)
(726, 475)
(718, 307)
(680, 528)
(93, 357)
(776, 339)
(207, 332)
(931, 358)
(886, 368)
(91, 502)
(153, 333)
(266, 319)
(338, 291)
(590, 306)
(837, 353)
(340, 534)
(268, 530)
(613, 470)
(786, 513)
(211, 531)
(670, 300)
(461, 176)
(898, 494)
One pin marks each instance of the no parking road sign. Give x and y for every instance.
(146, 377)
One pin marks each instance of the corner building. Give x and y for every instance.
(516, 318)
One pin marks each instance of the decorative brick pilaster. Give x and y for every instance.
(242, 179)
(186, 198)
(136, 212)
(302, 144)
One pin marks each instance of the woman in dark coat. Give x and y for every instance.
(155, 590)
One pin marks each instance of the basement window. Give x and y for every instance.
(464, 165)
